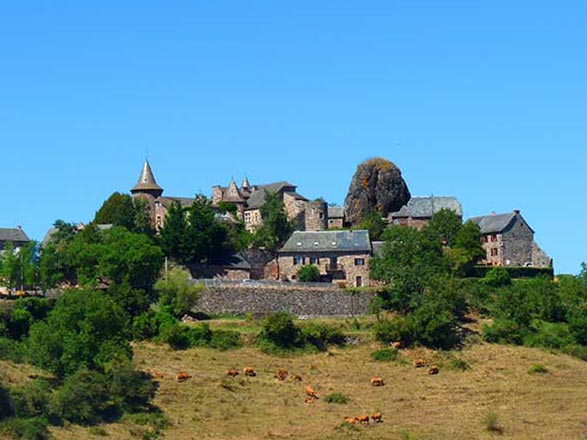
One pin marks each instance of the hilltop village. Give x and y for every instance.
(323, 235)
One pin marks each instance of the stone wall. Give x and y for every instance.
(261, 299)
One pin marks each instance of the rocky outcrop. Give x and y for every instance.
(377, 185)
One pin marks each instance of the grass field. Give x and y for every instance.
(520, 393)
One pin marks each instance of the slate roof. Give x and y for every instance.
(146, 181)
(426, 207)
(14, 235)
(257, 198)
(494, 223)
(335, 211)
(235, 261)
(328, 241)
(185, 202)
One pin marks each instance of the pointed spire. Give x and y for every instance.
(246, 184)
(146, 183)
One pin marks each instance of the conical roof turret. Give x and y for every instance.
(146, 183)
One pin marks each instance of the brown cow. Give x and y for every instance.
(363, 419)
(377, 417)
(281, 374)
(397, 344)
(296, 377)
(182, 377)
(310, 392)
(351, 420)
(433, 370)
(249, 372)
(232, 372)
(420, 363)
(377, 381)
(156, 374)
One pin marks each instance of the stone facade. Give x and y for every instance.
(418, 212)
(263, 298)
(508, 240)
(341, 256)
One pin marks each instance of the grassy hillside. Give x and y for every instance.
(452, 405)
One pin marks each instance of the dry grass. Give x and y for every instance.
(451, 405)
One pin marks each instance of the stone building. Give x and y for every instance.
(509, 241)
(336, 217)
(341, 256)
(419, 210)
(305, 214)
(16, 236)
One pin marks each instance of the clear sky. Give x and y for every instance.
(483, 100)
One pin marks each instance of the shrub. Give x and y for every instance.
(578, 351)
(338, 398)
(309, 274)
(537, 369)
(548, 335)
(226, 340)
(27, 429)
(83, 399)
(497, 277)
(178, 337)
(433, 326)
(321, 335)
(12, 350)
(200, 336)
(130, 390)
(457, 364)
(32, 399)
(491, 422)
(385, 355)
(504, 331)
(394, 329)
(279, 329)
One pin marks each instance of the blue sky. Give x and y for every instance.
(484, 100)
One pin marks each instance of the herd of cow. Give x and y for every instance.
(310, 396)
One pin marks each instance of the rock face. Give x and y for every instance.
(376, 185)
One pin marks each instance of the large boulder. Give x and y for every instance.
(377, 185)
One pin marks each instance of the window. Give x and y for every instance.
(314, 260)
(298, 260)
(494, 252)
(247, 217)
(359, 261)
(494, 238)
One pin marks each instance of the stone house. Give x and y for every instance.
(232, 267)
(341, 256)
(419, 210)
(16, 236)
(509, 241)
(305, 214)
(336, 217)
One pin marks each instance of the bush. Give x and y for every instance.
(151, 324)
(394, 329)
(178, 337)
(497, 277)
(27, 429)
(32, 399)
(338, 398)
(321, 335)
(278, 329)
(84, 399)
(504, 331)
(200, 336)
(309, 274)
(130, 390)
(12, 350)
(226, 340)
(385, 355)
(491, 422)
(538, 369)
(548, 335)
(433, 326)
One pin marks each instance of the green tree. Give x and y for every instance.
(443, 227)
(309, 274)
(10, 268)
(276, 227)
(85, 330)
(408, 264)
(53, 265)
(118, 210)
(374, 223)
(173, 235)
(467, 249)
(206, 235)
(178, 291)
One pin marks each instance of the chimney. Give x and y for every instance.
(517, 211)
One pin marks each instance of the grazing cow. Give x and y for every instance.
(433, 370)
(377, 381)
(249, 372)
(351, 420)
(363, 419)
(156, 374)
(296, 377)
(397, 344)
(281, 374)
(182, 377)
(420, 363)
(377, 417)
(232, 372)
(310, 392)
